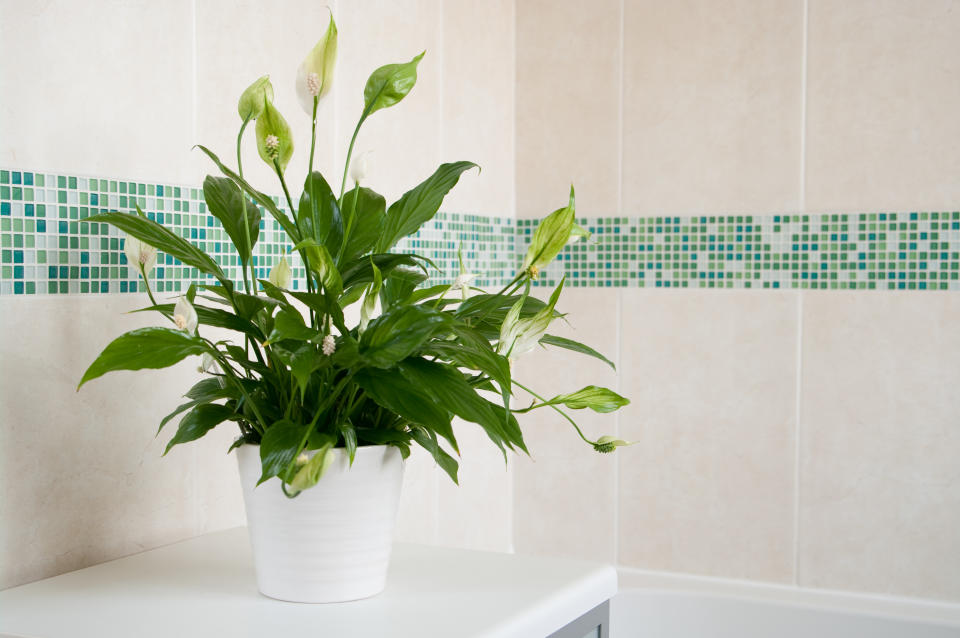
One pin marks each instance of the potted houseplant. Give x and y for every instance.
(326, 411)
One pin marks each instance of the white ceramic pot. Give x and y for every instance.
(332, 542)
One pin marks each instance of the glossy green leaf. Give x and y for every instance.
(303, 362)
(428, 441)
(399, 285)
(144, 348)
(323, 305)
(323, 266)
(360, 271)
(159, 237)
(575, 346)
(318, 215)
(198, 422)
(364, 213)
(288, 324)
(398, 394)
(449, 389)
(388, 85)
(399, 333)
(279, 447)
(227, 203)
(418, 205)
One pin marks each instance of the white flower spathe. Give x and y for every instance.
(280, 275)
(315, 73)
(185, 316)
(359, 167)
(140, 255)
(463, 280)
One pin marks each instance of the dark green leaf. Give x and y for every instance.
(303, 362)
(412, 402)
(428, 441)
(399, 333)
(576, 346)
(324, 305)
(399, 284)
(239, 216)
(144, 348)
(388, 85)
(288, 324)
(419, 205)
(278, 447)
(159, 237)
(198, 422)
(364, 213)
(360, 271)
(318, 214)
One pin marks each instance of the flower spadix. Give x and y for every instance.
(280, 275)
(315, 74)
(140, 255)
(606, 444)
(185, 316)
(519, 336)
(254, 97)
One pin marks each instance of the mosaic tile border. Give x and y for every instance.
(868, 251)
(48, 249)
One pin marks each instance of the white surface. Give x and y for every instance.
(332, 543)
(898, 608)
(674, 614)
(205, 587)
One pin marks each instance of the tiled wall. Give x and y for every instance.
(806, 436)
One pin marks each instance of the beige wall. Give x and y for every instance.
(81, 480)
(808, 439)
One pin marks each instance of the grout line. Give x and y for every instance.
(620, 118)
(617, 431)
(194, 129)
(441, 124)
(799, 369)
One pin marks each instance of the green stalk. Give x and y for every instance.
(346, 166)
(146, 282)
(243, 202)
(346, 231)
(564, 414)
(303, 253)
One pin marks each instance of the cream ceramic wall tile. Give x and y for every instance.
(711, 106)
(237, 42)
(882, 98)
(82, 479)
(218, 496)
(708, 488)
(478, 103)
(405, 138)
(477, 513)
(565, 492)
(880, 481)
(568, 93)
(110, 96)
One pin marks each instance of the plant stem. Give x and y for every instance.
(346, 165)
(346, 231)
(146, 282)
(243, 203)
(565, 415)
(228, 371)
(313, 137)
(303, 253)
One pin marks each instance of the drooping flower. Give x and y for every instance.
(329, 345)
(606, 444)
(280, 275)
(140, 255)
(315, 74)
(550, 237)
(254, 97)
(519, 336)
(185, 316)
(208, 364)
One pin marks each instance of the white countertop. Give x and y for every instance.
(205, 587)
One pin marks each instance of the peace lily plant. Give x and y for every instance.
(297, 380)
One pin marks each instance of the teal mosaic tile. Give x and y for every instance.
(47, 248)
(869, 251)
